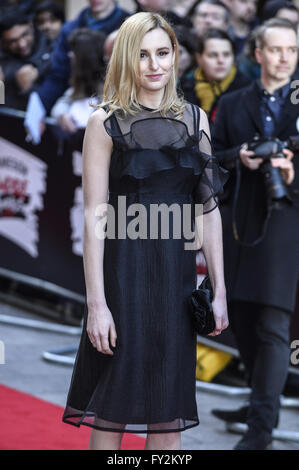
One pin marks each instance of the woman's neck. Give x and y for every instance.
(150, 100)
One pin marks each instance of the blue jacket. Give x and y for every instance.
(57, 80)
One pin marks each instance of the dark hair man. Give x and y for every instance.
(49, 18)
(25, 59)
(216, 73)
(210, 14)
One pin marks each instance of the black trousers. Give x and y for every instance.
(262, 336)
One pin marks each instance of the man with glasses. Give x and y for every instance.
(210, 14)
(25, 58)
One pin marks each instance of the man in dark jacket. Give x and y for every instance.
(25, 58)
(261, 280)
(103, 16)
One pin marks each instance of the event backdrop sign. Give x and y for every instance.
(41, 215)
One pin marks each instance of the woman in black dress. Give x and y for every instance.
(148, 148)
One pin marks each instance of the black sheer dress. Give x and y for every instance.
(149, 384)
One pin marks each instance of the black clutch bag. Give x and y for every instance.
(201, 307)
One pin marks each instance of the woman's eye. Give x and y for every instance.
(161, 53)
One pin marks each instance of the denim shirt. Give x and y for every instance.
(271, 106)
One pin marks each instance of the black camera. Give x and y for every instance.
(278, 193)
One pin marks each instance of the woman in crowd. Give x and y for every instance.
(73, 109)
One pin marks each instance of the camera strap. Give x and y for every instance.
(235, 204)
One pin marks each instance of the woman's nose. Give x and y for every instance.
(153, 63)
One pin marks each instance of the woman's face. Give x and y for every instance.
(156, 60)
(216, 59)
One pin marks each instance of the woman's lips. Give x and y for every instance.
(155, 76)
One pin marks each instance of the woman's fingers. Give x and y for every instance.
(219, 306)
(113, 335)
(105, 345)
(95, 341)
(100, 325)
(100, 342)
(218, 326)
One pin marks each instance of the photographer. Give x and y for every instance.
(261, 280)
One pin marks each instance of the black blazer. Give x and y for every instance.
(268, 273)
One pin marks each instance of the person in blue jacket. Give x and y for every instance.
(105, 16)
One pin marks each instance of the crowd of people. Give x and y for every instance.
(237, 61)
(41, 51)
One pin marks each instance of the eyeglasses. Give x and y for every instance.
(15, 41)
(213, 16)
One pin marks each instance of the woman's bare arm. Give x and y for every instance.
(97, 148)
(209, 227)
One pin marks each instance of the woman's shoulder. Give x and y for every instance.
(96, 123)
(99, 114)
(199, 116)
(193, 108)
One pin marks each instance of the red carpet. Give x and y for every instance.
(28, 423)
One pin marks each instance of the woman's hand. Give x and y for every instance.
(219, 305)
(100, 325)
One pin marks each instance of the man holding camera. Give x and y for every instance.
(260, 212)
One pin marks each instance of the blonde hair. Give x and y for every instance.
(120, 87)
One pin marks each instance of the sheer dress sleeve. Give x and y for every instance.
(213, 176)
